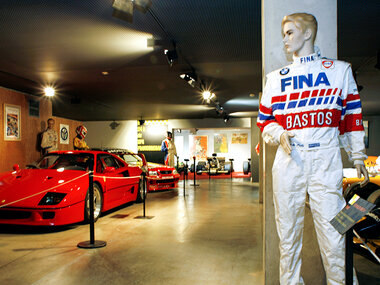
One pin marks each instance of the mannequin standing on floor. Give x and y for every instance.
(308, 108)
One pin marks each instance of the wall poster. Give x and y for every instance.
(64, 134)
(220, 143)
(12, 122)
(198, 147)
(239, 138)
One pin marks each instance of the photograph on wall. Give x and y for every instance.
(12, 122)
(64, 134)
(220, 143)
(198, 147)
(239, 138)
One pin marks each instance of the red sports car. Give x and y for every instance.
(54, 190)
(159, 177)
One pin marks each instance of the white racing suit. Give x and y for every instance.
(168, 147)
(317, 100)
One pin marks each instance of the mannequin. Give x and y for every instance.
(308, 109)
(79, 142)
(168, 147)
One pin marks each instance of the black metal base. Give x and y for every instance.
(88, 244)
(144, 217)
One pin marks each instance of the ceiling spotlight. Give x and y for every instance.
(219, 109)
(123, 9)
(141, 122)
(49, 91)
(191, 78)
(171, 56)
(226, 118)
(206, 95)
(114, 125)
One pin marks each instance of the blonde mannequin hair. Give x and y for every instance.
(302, 21)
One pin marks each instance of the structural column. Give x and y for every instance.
(274, 57)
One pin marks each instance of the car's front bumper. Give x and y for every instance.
(42, 216)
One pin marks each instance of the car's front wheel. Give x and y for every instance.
(98, 203)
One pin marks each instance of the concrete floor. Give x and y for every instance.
(213, 235)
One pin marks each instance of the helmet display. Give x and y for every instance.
(81, 131)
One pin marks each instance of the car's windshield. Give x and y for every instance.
(132, 159)
(67, 161)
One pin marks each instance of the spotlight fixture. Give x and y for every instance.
(141, 122)
(171, 56)
(226, 118)
(114, 125)
(190, 78)
(219, 109)
(123, 9)
(208, 96)
(49, 91)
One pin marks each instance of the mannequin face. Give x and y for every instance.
(294, 39)
(50, 124)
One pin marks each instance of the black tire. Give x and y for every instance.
(246, 167)
(141, 194)
(364, 192)
(98, 203)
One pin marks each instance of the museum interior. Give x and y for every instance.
(162, 100)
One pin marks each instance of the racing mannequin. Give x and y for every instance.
(307, 108)
(79, 143)
(49, 140)
(168, 147)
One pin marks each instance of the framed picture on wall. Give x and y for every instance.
(12, 122)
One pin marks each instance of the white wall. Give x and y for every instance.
(239, 152)
(100, 135)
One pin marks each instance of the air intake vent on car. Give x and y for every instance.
(165, 171)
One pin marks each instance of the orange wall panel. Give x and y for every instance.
(26, 150)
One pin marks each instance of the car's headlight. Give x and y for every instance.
(175, 171)
(151, 173)
(52, 198)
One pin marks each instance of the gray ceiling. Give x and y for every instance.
(71, 42)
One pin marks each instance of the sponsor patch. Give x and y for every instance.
(284, 71)
(328, 64)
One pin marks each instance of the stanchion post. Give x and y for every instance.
(92, 243)
(185, 176)
(349, 257)
(232, 166)
(195, 172)
(91, 198)
(145, 192)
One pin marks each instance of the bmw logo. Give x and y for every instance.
(284, 71)
(64, 133)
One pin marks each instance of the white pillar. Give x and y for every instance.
(274, 57)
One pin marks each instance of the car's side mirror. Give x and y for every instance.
(16, 167)
(109, 169)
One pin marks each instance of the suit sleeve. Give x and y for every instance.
(351, 124)
(266, 121)
(164, 147)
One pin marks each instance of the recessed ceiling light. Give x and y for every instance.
(252, 95)
(105, 72)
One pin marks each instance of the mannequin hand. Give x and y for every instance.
(361, 170)
(285, 141)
